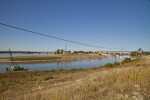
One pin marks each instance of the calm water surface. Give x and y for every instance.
(23, 54)
(84, 64)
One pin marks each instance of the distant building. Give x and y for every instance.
(64, 52)
(140, 50)
(99, 52)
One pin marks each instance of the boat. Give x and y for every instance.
(14, 67)
(126, 57)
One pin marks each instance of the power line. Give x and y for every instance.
(53, 36)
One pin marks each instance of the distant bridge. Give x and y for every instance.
(114, 52)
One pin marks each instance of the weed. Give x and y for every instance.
(52, 70)
(116, 63)
(75, 69)
(137, 76)
(125, 61)
(48, 78)
(61, 69)
(109, 65)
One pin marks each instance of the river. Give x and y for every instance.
(84, 64)
(24, 54)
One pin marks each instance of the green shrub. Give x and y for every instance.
(125, 61)
(61, 69)
(75, 69)
(133, 54)
(109, 65)
(117, 63)
(45, 71)
(52, 70)
(47, 78)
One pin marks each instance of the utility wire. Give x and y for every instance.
(53, 36)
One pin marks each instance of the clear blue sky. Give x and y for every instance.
(105, 23)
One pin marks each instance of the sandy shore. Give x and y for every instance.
(50, 58)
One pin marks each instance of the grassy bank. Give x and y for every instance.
(128, 81)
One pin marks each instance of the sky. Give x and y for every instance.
(104, 23)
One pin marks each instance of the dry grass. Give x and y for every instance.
(49, 58)
(128, 82)
(16, 83)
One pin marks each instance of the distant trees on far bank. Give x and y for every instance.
(85, 52)
(58, 51)
(139, 52)
(61, 51)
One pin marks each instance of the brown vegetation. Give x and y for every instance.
(47, 58)
(127, 82)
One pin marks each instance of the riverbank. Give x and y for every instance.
(128, 81)
(50, 58)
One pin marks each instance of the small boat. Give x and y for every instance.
(14, 67)
(126, 58)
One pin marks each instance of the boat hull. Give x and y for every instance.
(25, 70)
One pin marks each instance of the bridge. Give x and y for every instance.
(117, 52)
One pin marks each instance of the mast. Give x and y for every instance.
(11, 58)
(121, 55)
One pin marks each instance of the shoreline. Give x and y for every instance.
(50, 83)
(51, 58)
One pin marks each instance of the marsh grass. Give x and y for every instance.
(109, 65)
(116, 63)
(75, 69)
(112, 64)
(125, 61)
(65, 70)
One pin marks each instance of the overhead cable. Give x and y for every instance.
(53, 36)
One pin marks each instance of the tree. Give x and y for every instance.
(69, 51)
(58, 51)
(90, 52)
(61, 51)
(75, 52)
(133, 53)
(140, 50)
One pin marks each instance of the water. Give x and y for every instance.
(84, 64)
(23, 54)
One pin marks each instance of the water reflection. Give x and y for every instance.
(24, 54)
(67, 64)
